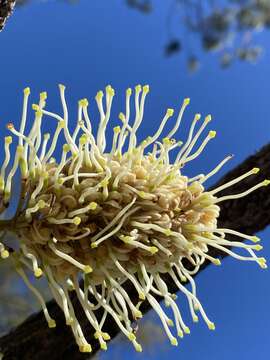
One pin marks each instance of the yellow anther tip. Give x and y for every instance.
(146, 89)
(138, 88)
(8, 139)
(138, 314)
(258, 247)
(266, 182)
(26, 91)
(116, 129)
(141, 194)
(187, 330)
(35, 107)
(255, 170)
(103, 346)
(94, 245)
(170, 322)
(83, 139)
(106, 336)
(186, 101)
(180, 334)
(212, 134)
(208, 118)
(99, 95)
(131, 337)
(217, 262)
(174, 342)
(87, 269)
(47, 136)
(66, 148)
(166, 141)
(41, 204)
(255, 239)
(83, 102)
(43, 95)
(109, 89)
(141, 296)
(93, 205)
(121, 116)
(4, 254)
(195, 319)
(85, 348)
(170, 112)
(197, 117)
(211, 326)
(262, 263)
(62, 87)
(168, 232)
(52, 324)
(138, 348)
(76, 220)
(153, 250)
(129, 91)
(38, 273)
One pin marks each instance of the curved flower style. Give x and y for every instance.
(108, 216)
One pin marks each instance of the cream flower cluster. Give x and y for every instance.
(101, 216)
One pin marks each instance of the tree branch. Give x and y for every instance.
(34, 340)
(6, 8)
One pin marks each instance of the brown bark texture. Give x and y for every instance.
(34, 340)
(6, 8)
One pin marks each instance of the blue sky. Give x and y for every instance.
(95, 43)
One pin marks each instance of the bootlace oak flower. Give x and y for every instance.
(105, 216)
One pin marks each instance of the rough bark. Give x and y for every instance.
(34, 340)
(6, 8)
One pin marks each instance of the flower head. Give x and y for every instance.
(105, 216)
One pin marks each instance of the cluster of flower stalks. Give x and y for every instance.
(102, 216)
